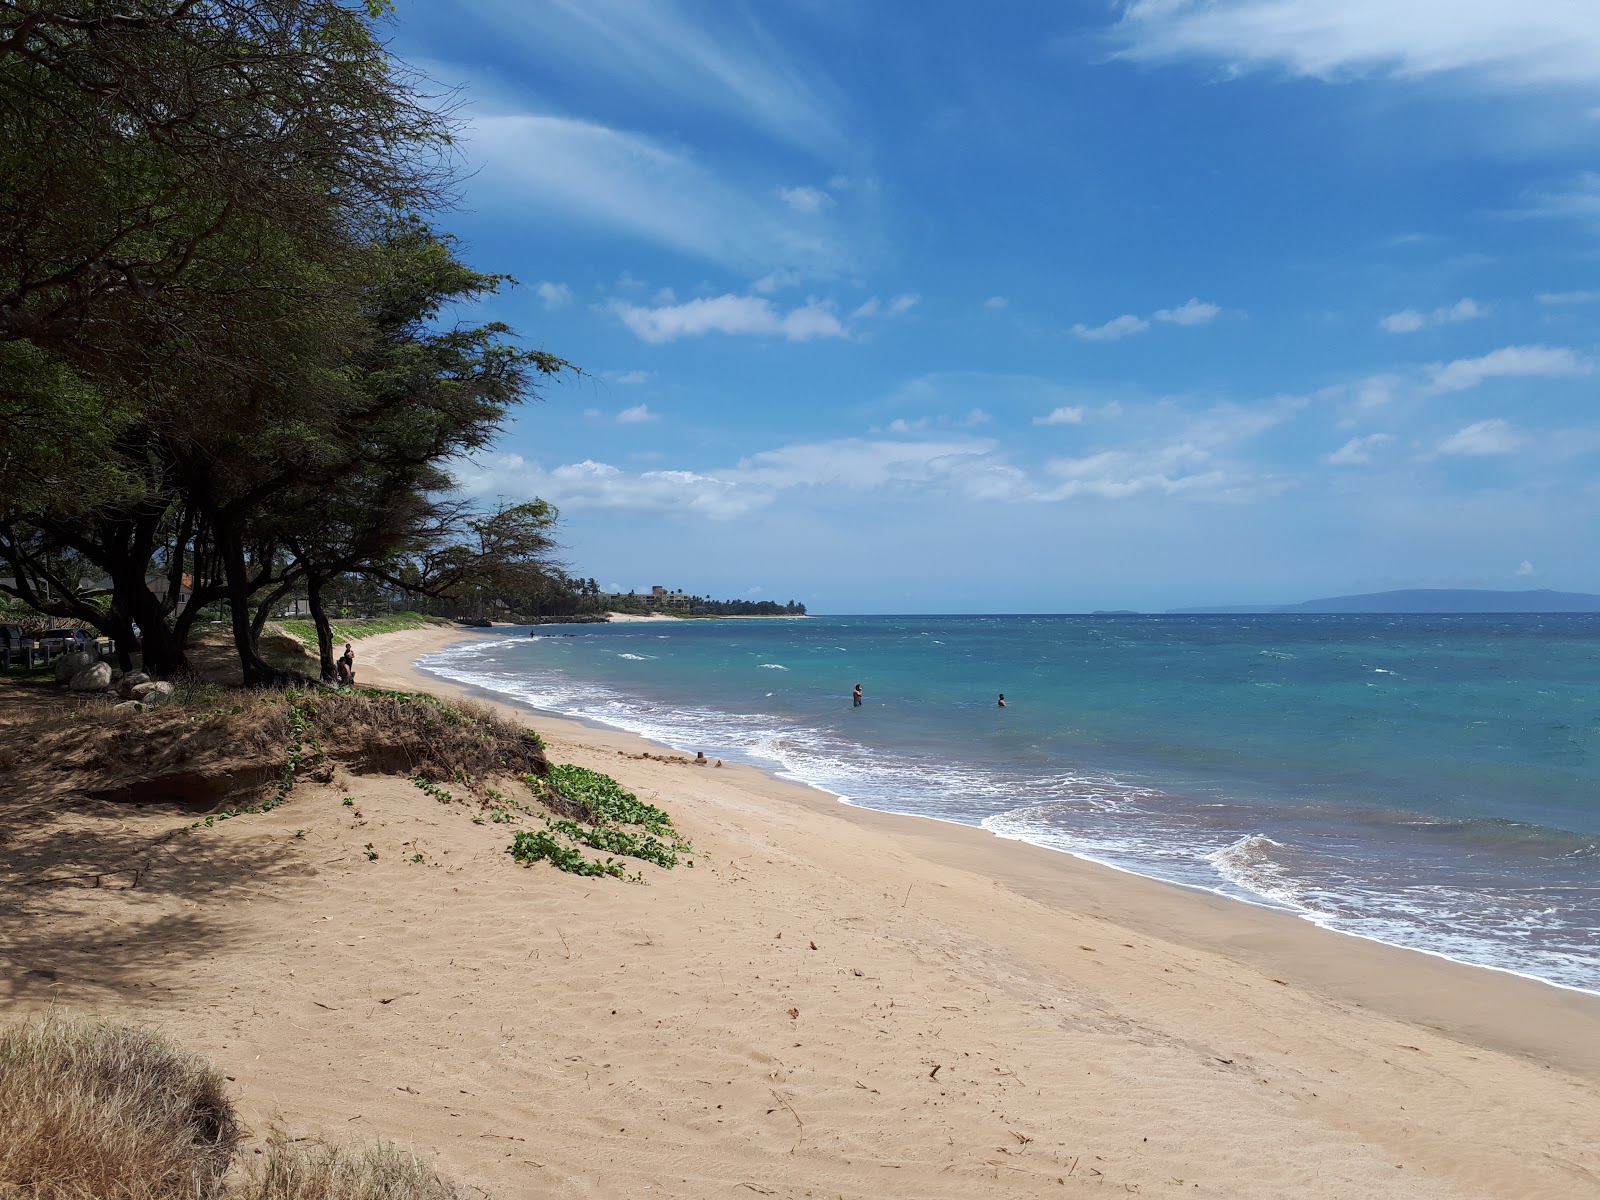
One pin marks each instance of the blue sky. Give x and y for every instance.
(1041, 307)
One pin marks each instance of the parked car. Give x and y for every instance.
(68, 639)
(12, 638)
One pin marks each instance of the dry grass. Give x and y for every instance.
(90, 1110)
(319, 1170)
(407, 734)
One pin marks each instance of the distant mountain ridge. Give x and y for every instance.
(1425, 600)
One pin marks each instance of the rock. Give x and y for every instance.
(94, 678)
(130, 681)
(128, 706)
(70, 664)
(153, 692)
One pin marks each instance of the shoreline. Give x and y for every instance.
(820, 1000)
(1556, 1024)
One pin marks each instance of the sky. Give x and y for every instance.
(933, 306)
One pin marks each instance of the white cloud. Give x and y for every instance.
(729, 314)
(623, 182)
(1578, 201)
(1113, 330)
(777, 281)
(1524, 568)
(626, 377)
(1493, 436)
(1190, 312)
(805, 199)
(554, 295)
(1410, 320)
(1065, 415)
(898, 307)
(1547, 362)
(1528, 43)
(995, 303)
(670, 56)
(1568, 297)
(636, 415)
(1407, 320)
(1359, 450)
(1193, 463)
(901, 425)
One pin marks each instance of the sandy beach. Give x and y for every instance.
(831, 1003)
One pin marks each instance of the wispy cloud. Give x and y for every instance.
(1530, 43)
(805, 199)
(1577, 200)
(1358, 451)
(1196, 460)
(624, 182)
(996, 303)
(1544, 362)
(626, 378)
(751, 315)
(554, 295)
(636, 415)
(1493, 436)
(1567, 297)
(1191, 312)
(718, 61)
(1113, 330)
(1065, 415)
(1410, 320)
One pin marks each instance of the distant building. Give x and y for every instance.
(661, 598)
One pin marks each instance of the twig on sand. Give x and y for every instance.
(908, 895)
(783, 1103)
(564, 945)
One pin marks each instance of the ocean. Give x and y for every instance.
(1427, 781)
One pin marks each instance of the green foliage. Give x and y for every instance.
(614, 807)
(607, 799)
(442, 795)
(531, 846)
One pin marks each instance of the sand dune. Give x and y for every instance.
(829, 1003)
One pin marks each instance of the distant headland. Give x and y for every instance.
(1423, 600)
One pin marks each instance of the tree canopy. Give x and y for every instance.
(225, 368)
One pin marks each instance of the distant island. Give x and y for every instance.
(1423, 600)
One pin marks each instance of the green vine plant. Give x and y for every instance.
(651, 839)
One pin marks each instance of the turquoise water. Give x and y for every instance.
(1433, 782)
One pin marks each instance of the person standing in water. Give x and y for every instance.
(1002, 699)
(855, 697)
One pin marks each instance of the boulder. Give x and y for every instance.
(71, 663)
(93, 678)
(153, 692)
(128, 706)
(131, 680)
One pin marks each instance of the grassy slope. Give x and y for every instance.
(304, 630)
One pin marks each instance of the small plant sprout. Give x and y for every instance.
(371, 853)
(416, 858)
(349, 801)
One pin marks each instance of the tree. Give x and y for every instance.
(204, 265)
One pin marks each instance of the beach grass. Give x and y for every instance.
(89, 1108)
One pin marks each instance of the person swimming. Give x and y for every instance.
(855, 697)
(1002, 699)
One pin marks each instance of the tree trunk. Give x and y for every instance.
(253, 669)
(319, 616)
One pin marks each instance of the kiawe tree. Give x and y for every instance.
(217, 319)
